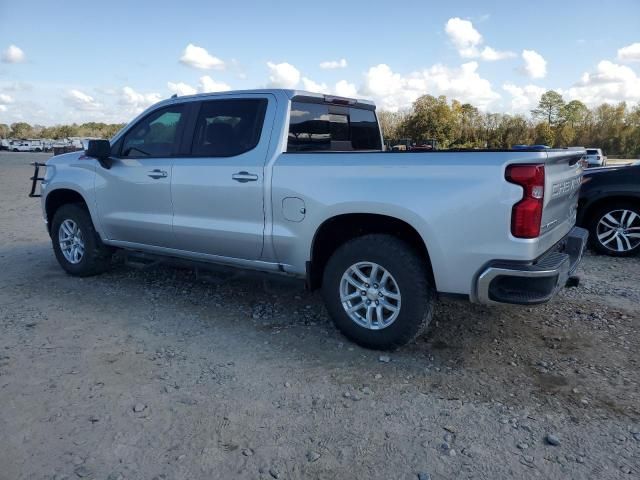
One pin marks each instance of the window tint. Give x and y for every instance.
(365, 134)
(309, 127)
(314, 126)
(225, 128)
(156, 135)
(592, 152)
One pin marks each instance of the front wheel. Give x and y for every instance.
(377, 291)
(615, 229)
(76, 244)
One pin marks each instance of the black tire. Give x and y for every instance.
(97, 256)
(407, 267)
(594, 220)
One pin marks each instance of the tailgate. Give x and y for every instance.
(563, 177)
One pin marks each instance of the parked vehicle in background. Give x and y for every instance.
(20, 147)
(4, 144)
(595, 157)
(297, 183)
(609, 207)
(408, 144)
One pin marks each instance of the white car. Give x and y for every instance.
(595, 157)
(20, 147)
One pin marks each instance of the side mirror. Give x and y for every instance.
(100, 149)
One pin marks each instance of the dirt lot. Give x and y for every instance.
(160, 373)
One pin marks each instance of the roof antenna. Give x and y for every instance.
(175, 95)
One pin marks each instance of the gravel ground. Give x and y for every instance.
(165, 373)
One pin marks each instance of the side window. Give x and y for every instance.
(157, 135)
(226, 128)
(318, 127)
(365, 134)
(309, 127)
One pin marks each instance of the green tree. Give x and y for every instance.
(21, 130)
(4, 130)
(543, 134)
(574, 113)
(431, 118)
(549, 108)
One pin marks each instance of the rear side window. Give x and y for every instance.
(156, 135)
(225, 128)
(322, 127)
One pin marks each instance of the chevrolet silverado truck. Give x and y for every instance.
(298, 183)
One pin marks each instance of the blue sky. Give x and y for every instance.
(72, 61)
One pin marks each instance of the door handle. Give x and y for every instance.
(157, 173)
(244, 177)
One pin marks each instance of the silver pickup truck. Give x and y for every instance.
(299, 184)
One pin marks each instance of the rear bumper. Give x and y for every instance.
(504, 281)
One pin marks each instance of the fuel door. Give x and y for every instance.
(293, 209)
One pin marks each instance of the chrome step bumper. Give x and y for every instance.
(505, 281)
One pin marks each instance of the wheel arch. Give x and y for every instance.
(336, 230)
(594, 205)
(62, 196)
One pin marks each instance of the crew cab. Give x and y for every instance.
(299, 184)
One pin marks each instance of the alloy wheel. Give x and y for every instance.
(370, 295)
(71, 242)
(619, 230)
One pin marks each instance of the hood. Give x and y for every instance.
(65, 158)
(601, 170)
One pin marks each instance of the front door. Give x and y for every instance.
(218, 190)
(134, 195)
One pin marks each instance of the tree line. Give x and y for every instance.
(554, 122)
(89, 129)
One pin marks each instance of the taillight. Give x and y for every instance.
(526, 215)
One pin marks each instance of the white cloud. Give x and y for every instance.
(610, 83)
(333, 64)
(464, 36)
(346, 89)
(393, 91)
(4, 98)
(198, 57)
(491, 55)
(524, 98)
(208, 84)
(312, 86)
(468, 40)
(81, 101)
(3, 108)
(283, 75)
(534, 64)
(181, 88)
(13, 54)
(630, 53)
(136, 101)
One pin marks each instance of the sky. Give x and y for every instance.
(79, 61)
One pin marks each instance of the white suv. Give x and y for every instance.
(595, 157)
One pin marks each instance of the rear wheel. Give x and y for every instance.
(377, 291)
(76, 243)
(615, 229)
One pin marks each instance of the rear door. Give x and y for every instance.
(218, 189)
(134, 195)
